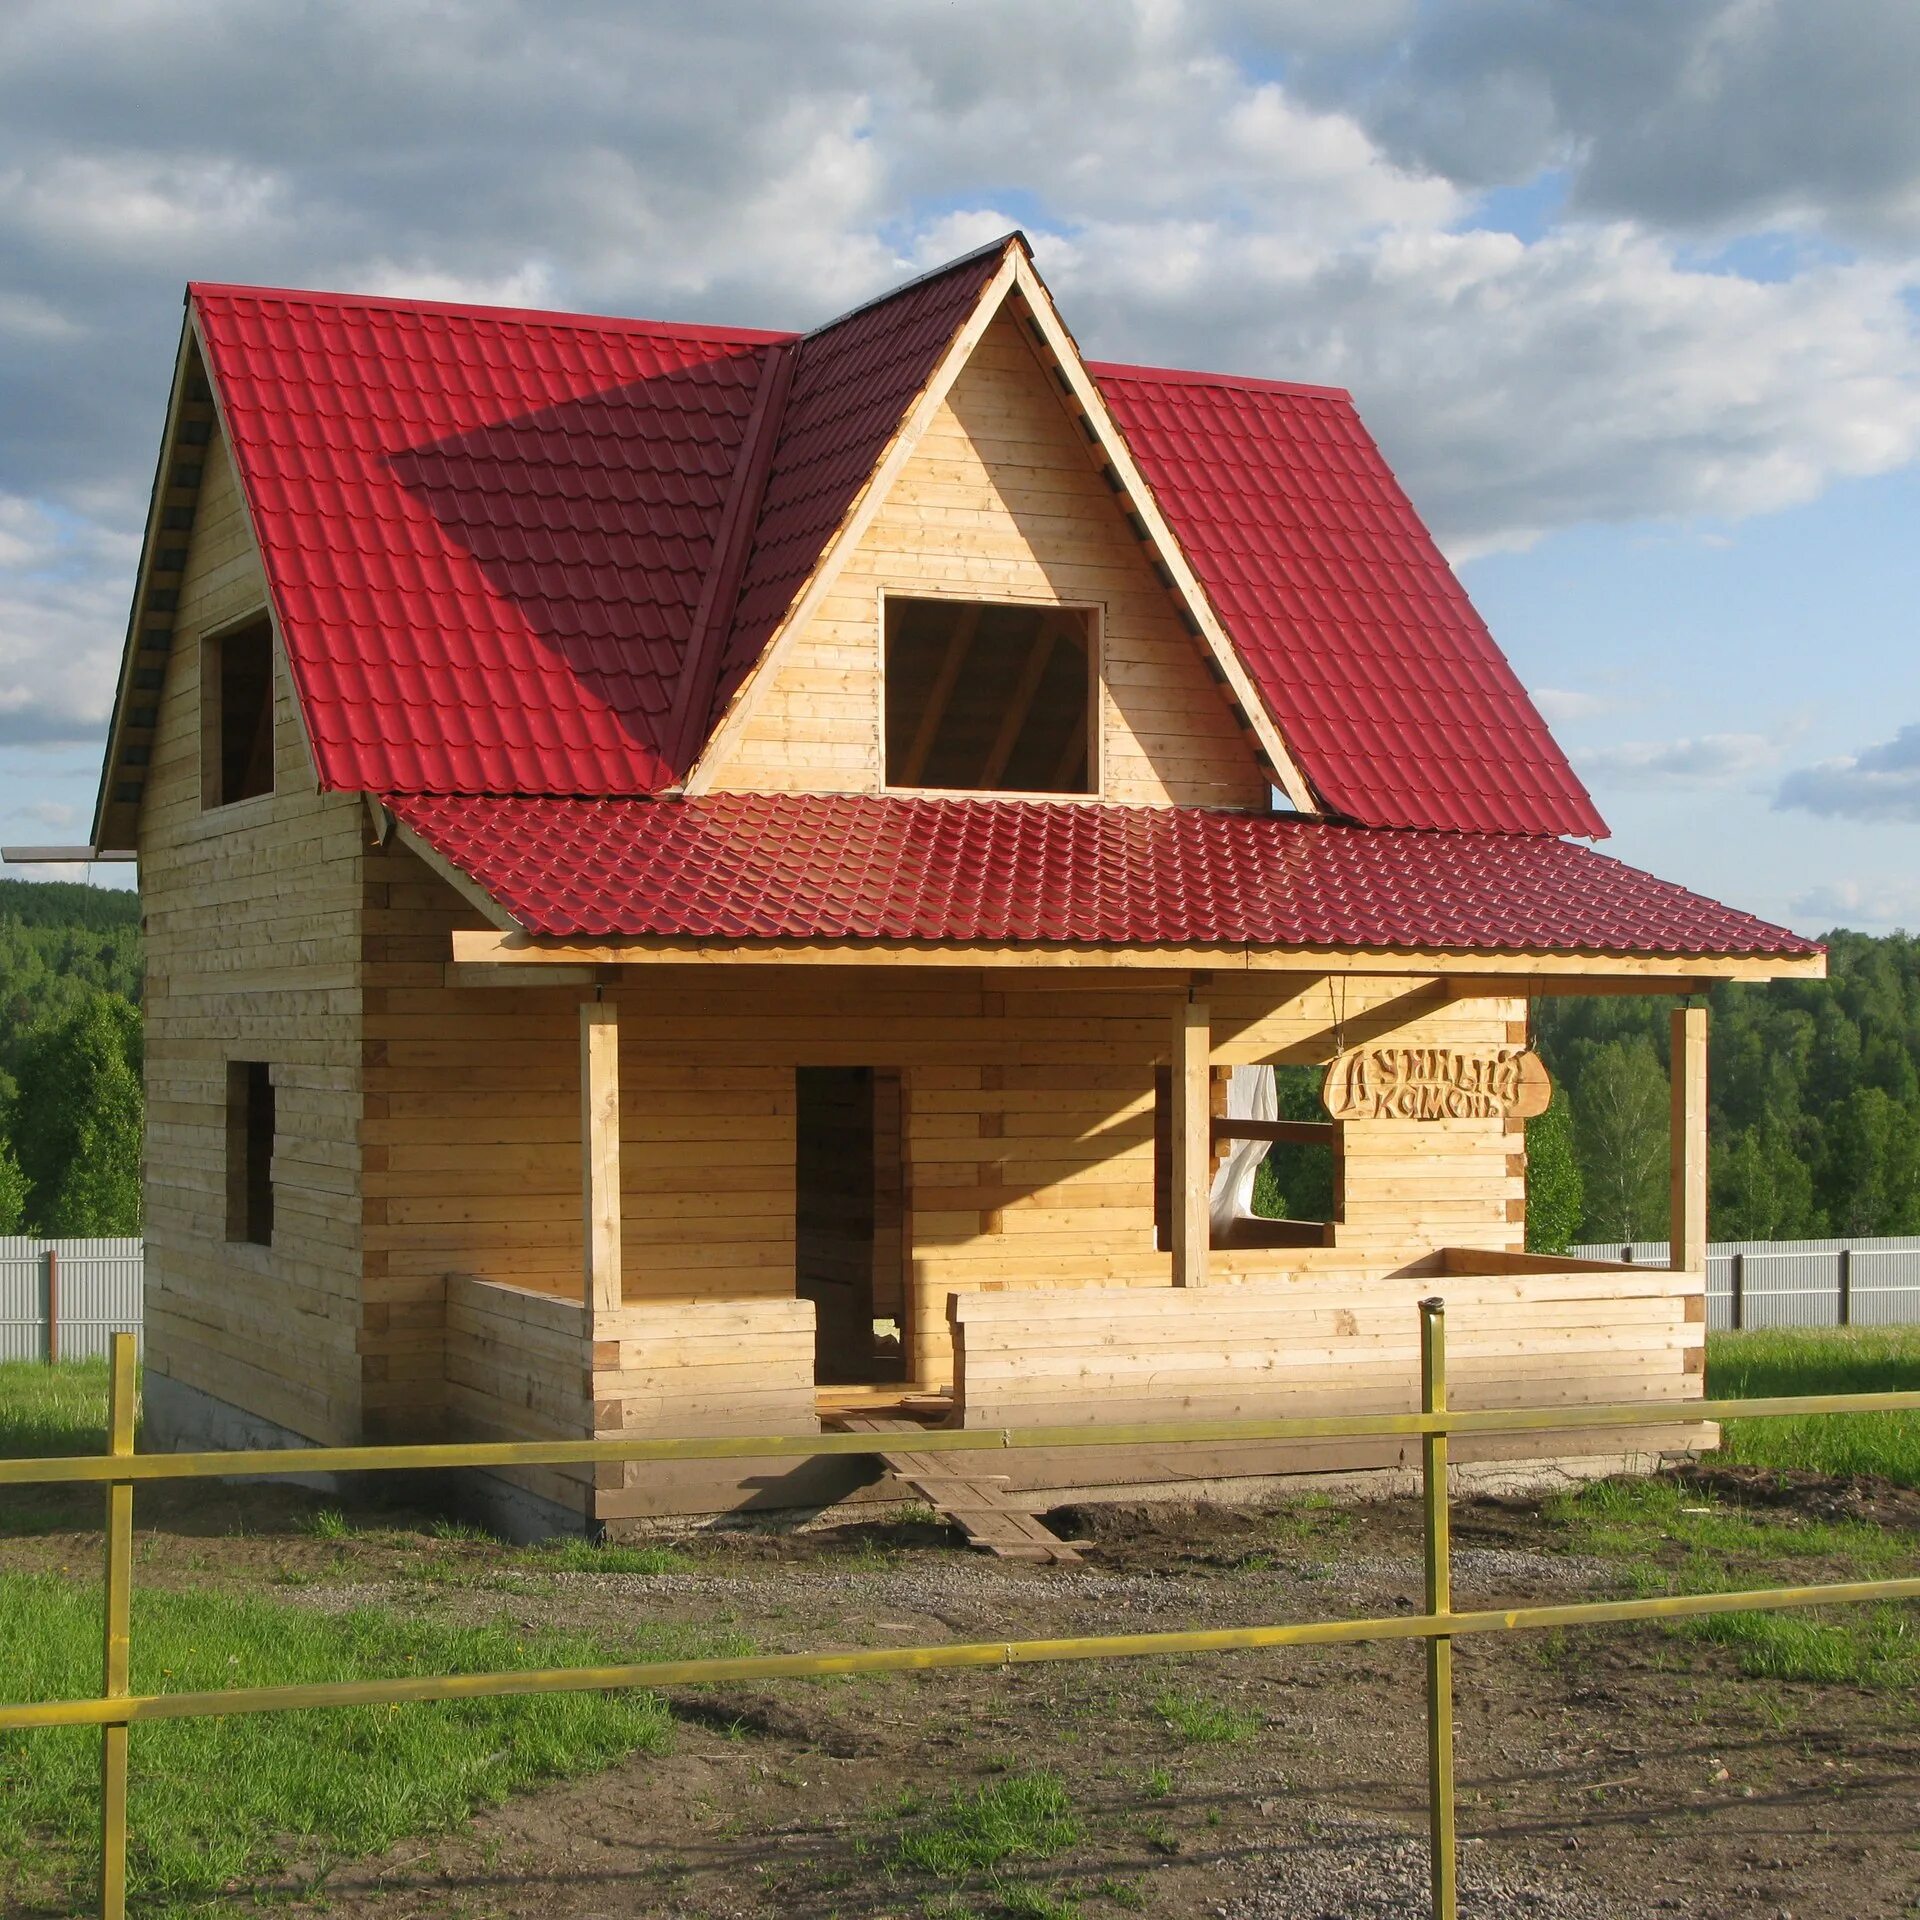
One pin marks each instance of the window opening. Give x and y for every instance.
(236, 694)
(989, 697)
(1299, 1189)
(250, 1127)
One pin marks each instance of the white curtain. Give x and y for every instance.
(1251, 1095)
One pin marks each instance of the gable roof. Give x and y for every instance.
(884, 867)
(1384, 680)
(534, 553)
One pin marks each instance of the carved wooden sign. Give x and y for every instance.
(1437, 1083)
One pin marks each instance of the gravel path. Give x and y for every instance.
(1362, 1872)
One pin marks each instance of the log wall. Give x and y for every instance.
(1026, 1106)
(252, 918)
(998, 501)
(523, 1364)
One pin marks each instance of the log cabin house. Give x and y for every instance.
(701, 880)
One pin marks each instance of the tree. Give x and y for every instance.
(78, 1117)
(1621, 1137)
(1873, 1165)
(13, 1190)
(1761, 1186)
(1555, 1192)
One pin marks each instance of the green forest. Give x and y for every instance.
(69, 1059)
(1814, 1089)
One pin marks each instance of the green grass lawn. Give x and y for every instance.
(51, 1410)
(1821, 1360)
(214, 1802)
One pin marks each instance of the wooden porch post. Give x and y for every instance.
(600, 1153)
(1192, 1140)
(1687, 1235)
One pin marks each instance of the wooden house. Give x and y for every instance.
(701, 880)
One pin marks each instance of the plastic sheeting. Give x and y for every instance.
(1251, 1095)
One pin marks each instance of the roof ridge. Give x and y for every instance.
(1199, 377)
(519, 316)
(1013, 236)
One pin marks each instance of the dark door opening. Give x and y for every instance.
(849, 1221)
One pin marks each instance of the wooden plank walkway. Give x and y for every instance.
(977, 1503)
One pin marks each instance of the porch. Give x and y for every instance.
(1114, 1333)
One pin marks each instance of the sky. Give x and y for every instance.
(1628, 292)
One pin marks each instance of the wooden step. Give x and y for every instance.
(977, 1503)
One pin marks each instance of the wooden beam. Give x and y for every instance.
(600, 1153)
(1192, 1141)
(1518, 973)
(959, 645)
(1303, 1133)
(1039, 658)
(1687, 1238)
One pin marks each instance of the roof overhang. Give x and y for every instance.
(504, 958)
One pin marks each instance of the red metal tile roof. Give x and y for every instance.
(488, 535)
(728, 867)
(852, 385)
(485, 533)
(1382, 678)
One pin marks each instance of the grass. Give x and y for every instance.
(1669, 1538)
(220, 1801)
(1026, 1816)
(1821, 1360)
(52, 1410)
(584, 1556)
(1201, 1722)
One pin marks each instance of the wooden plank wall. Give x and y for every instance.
(1000, 500)
(519, 1367)
(1329, 1342)
(1027, 1115)
(522, 1364)
(473, 1142)
(252, 916)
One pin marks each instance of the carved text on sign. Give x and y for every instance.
(1437, 1083)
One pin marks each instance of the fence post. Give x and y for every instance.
(1433, 1488)
(1737, 1300)
(118, 1609)
(53, 1305)
(1846, 1286)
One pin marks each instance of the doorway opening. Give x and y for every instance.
(850, 1222)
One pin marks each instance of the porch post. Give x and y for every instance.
(1687, 1235)
(600, 1153)
(1192, 1140)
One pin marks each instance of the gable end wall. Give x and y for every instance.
(252, 927)
(998, 501)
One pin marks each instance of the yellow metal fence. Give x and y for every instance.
(116, 1709)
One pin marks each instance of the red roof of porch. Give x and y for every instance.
(729, 867)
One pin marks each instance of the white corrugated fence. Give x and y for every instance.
(66, 1297)
(1798, 1283)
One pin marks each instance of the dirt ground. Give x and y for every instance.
(1617, 1773)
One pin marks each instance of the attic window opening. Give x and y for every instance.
(236, 715)
(989, 697)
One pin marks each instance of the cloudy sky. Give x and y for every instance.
(1628, 289)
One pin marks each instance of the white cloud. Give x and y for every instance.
(1189, 205)
(64, 583)
(1560, 705)
(1704, 760)
(1880, 783)
(1860, 903)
